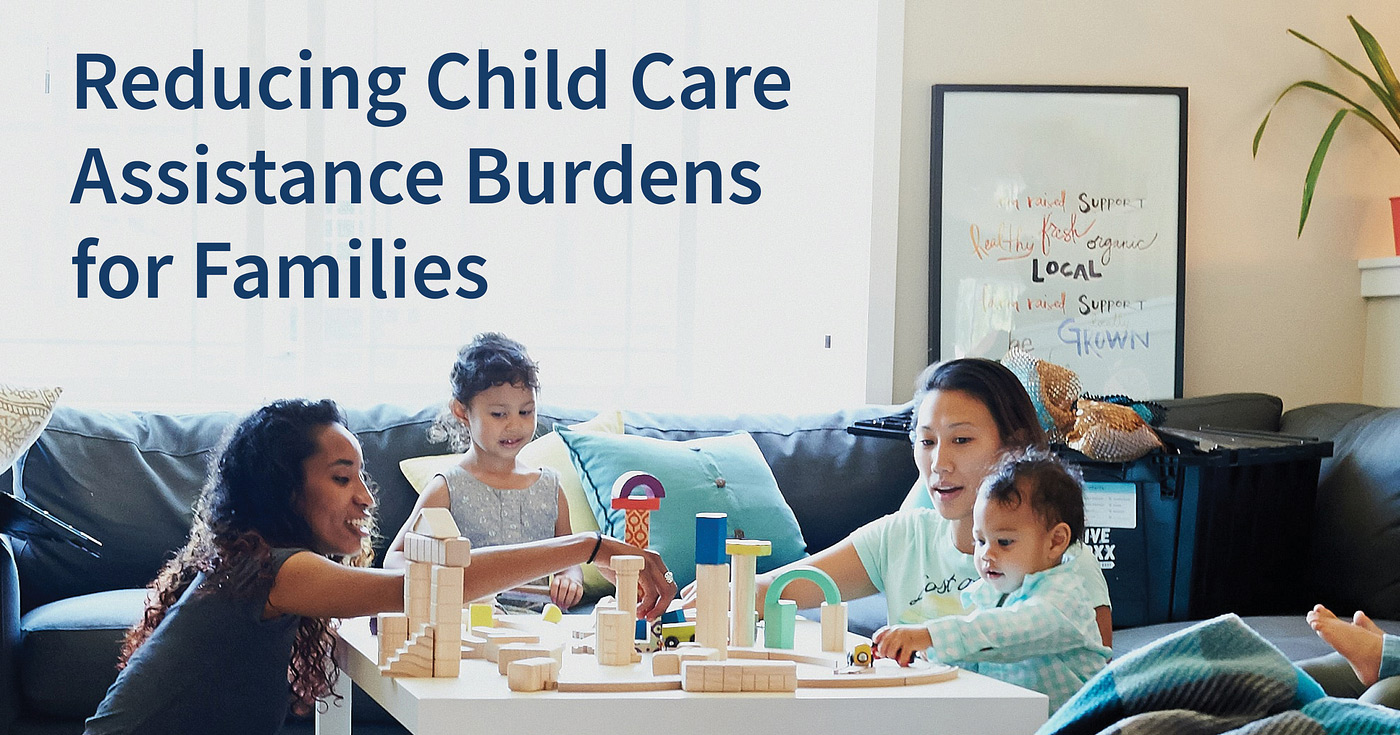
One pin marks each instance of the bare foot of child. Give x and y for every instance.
(1364, 620)
(1358, 641)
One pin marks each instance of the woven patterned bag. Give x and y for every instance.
(1110, 433)
(1103, 430)
(1053, 390)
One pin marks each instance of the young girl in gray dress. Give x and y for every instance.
(494, 497)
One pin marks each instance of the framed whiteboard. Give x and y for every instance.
(1058, 223)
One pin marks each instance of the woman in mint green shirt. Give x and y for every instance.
(970, 412)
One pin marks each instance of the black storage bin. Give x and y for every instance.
(1217, 522)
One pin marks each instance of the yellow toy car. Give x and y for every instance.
(674, 634)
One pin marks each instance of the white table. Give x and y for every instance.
(479, 702)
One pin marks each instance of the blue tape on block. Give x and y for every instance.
(711, 529)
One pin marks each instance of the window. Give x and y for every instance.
(715, 305)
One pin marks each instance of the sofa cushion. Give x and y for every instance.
(127, 479)
(70, 648)
(1290, 633)
(721, 474)
(1357, 519)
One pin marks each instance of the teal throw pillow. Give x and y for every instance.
(918, 497)
(721, 474)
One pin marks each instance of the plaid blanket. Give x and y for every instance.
(1215, 677)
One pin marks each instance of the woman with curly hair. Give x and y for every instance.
(238, 626)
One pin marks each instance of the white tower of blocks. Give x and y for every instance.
(711, 582)
(615, 644)
(834, 627)
(426, 640)
(628, 569)
(743, 613)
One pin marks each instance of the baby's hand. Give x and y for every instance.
(901, 642)
(565, 591)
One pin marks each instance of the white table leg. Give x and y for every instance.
(336, 719)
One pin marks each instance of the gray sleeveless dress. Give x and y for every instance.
(492, 517)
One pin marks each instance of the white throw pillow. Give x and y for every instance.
(24, 412)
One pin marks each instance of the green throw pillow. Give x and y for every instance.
(918, 497)
(721, 474)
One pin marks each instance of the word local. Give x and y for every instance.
(1075, 271)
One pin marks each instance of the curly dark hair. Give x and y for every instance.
(248, 507)
(489, 360)
(995, 387)
(1056, 489)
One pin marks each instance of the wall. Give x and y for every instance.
(1382, 379)
(1265, 310)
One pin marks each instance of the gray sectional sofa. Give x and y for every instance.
(129, 479)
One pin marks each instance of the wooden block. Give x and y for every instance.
(747, 547)
(394, 623)
(732, 676)
(712, 605)
(420, 548)
(517, 651)
(436, 523)
(834, 627)
(393, 634)
(880, 677)
(627, 563)
(779, 625)
(457, 552)
(447, 667)
(473, 647)
(419, 648)
(482, 616)
(742, 600)
(665, 663)
(417, 656)
(532, 674)
(693, 676)
(626, 587)
(552, 613)
(697, 653)
(934, 674)
(710, 532)
(614, 638)
(447, 645)
(445, 578)
(388, 648)
(654, 684)
(494, 642)
(407, 668)
(714, 676)
(450, 628)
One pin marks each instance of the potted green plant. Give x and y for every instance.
(1385, 87)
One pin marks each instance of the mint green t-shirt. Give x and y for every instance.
(910, 556)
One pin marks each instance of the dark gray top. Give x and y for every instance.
(212, 666)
